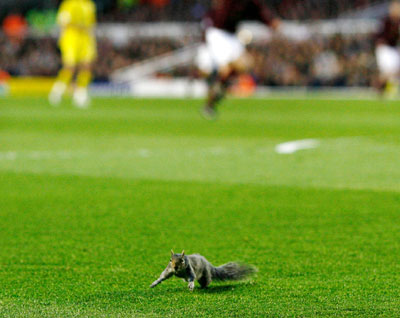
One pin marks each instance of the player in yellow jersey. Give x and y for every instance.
(77, 20)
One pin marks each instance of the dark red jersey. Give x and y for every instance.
(390, 32)
(228, 14)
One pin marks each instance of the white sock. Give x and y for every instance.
(81, 97)
(57, 93)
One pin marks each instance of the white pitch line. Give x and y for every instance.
(285, 148)
(39, 155)
(68, 155)
(294, 146)
(145, 153)
(9, 155)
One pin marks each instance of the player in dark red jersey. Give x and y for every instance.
(223, 54)
(387, 52)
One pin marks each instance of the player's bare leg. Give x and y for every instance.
(392, 87)
(380, 85)
(61, 84)
(81, 96)
(218, 83)
(244, 63)
(217, 87)
(388, 86)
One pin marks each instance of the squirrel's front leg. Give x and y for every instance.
(167, 273)
(191, 285)
(191, 278)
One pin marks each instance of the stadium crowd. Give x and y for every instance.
(335, 61)
(192, 10)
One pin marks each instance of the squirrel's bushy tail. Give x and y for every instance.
(232, 271)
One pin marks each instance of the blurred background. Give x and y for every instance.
(304, 183)
(148, 47)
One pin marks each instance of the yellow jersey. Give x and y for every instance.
(77, 14)
(77, 19)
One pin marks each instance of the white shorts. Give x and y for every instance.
(221, 48)
(388, 59)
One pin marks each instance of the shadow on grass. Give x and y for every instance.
(133, 296)
(216, 289)
(212, 289)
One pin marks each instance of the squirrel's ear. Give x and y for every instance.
(183, 253)
(172, 253)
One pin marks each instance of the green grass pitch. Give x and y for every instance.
(91, 202)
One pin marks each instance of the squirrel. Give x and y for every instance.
(196, 267)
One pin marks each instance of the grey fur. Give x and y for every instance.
(196, 267)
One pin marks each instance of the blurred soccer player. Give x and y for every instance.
(77, 20)
(224, 54)
(387, 52)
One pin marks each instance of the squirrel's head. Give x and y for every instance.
(177, 261)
